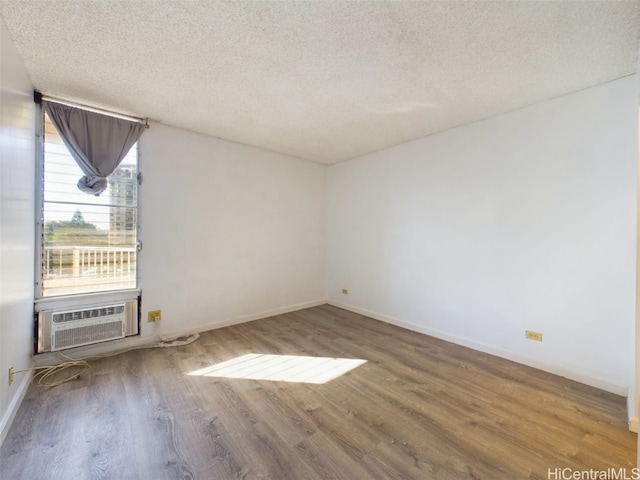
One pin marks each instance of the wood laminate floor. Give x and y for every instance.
(419, 408)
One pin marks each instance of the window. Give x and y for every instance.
(88, 243)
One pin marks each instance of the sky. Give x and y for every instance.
(61, 176)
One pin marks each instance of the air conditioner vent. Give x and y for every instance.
(86, 314)
(73, 337)
(86, 324)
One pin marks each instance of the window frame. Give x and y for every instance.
(54, 301)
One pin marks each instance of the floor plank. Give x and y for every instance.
(419, 408)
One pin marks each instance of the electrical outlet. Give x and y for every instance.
(345, 291)
(537, 336)
(154, 316)
(11, 373)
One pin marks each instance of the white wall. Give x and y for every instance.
(17, 179)
(229, 232)
(522, 221)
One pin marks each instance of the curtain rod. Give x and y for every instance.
(39, 98)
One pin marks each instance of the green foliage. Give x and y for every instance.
(76, 231)
(78, 220)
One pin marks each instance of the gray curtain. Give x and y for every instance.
(98, 143)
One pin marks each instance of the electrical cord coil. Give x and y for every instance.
(43, 375)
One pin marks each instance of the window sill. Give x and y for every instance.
(64, 301)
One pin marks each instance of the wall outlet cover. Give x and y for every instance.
(537, 336)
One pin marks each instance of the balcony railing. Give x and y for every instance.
(73, 269)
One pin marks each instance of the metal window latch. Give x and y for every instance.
(139, 178)
(138, 245)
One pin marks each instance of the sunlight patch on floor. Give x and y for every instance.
(281, 368)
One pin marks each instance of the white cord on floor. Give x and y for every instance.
(43, 374)
(178, 341)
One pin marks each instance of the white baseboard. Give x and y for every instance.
(633, 424)
(247, 318)
(632, 413)
(14, 405)
(602, 384)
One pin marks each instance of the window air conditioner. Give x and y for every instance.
(61, 329)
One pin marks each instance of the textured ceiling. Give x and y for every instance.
(322, 81)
